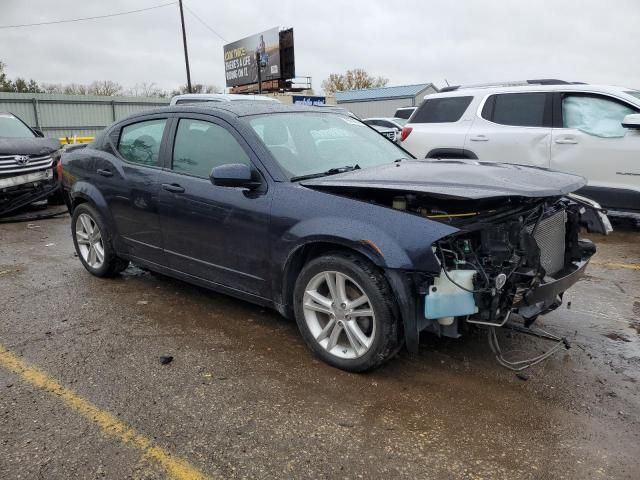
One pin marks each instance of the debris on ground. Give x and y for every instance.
(166, 359)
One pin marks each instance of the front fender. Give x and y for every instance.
(367, 239)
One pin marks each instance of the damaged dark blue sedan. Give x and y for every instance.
(313, 213)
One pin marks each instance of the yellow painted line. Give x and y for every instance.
(630, 266)
(176, 468)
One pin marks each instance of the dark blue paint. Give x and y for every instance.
(238, 241)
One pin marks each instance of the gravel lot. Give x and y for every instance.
(82, 387)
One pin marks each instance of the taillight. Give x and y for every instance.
(405, 133)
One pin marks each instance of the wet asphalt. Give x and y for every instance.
(243, 398)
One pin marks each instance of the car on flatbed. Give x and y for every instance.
(587, 130)
(312, 213)
(28, 164)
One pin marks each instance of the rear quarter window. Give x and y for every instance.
(441, 110)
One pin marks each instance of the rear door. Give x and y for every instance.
(438, 127)
(589, 140)
(216, 233)
(127, 177)
(513, 128)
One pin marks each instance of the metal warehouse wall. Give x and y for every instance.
(383, 108)
(69, 115)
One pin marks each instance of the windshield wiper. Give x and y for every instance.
(331, 171)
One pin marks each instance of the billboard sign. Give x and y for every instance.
(240, 66)
(309, 100)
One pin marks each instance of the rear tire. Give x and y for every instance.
(346, 313)
(92, 240)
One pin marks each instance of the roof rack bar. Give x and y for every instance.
(515, 83)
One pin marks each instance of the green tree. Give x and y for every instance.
(356, 79)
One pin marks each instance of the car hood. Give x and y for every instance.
(461, 179)
(28, 146)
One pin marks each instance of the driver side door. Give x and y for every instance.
(215, 233)
(589, 140)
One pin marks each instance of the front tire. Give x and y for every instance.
(346, 313)
(92, 241)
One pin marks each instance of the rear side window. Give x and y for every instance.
(404, 113)
(200, 146)
(140, 142)
(519, 109)
(441, 110)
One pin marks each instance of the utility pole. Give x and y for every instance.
(259, 66)
(186, 54)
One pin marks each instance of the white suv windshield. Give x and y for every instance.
(313, 143)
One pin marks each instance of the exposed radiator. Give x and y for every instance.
(550, 237)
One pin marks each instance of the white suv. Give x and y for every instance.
(590, 130)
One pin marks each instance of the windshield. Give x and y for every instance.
(401, 121)
(635, 93)
(313, 143)
(11, 127)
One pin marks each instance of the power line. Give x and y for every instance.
(204, 23)
(87, 18)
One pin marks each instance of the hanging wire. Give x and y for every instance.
(82, 19)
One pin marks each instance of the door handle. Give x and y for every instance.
(105, 172)
(566, 141)
(173, 187)
(479, 138)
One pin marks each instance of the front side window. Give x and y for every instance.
(200, 146)
(312, 143)
(517, 109)
(595, 115)
(12, 127)
(140, 142)
(441, 110)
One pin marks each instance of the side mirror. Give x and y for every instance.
(631, 121)
(233, 175)
(38, 132)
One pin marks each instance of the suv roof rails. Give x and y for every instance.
(517, 83)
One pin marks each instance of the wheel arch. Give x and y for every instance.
(84, 192)
(451, 153)
(307, 251)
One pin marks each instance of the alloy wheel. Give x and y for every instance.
(339, 314)
(89, 240)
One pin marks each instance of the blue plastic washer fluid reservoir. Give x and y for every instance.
(445, 299)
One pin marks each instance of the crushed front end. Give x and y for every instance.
(25, 179)
(518, 262)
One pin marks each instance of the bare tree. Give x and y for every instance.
(74, 89)
(197, 88)
(146, 89)
(355, 79)
(105, 88)
(52, 88)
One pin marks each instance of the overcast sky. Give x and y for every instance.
(406, 41)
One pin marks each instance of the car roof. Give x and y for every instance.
(571, 87)
(225, 97)
(239, 109)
